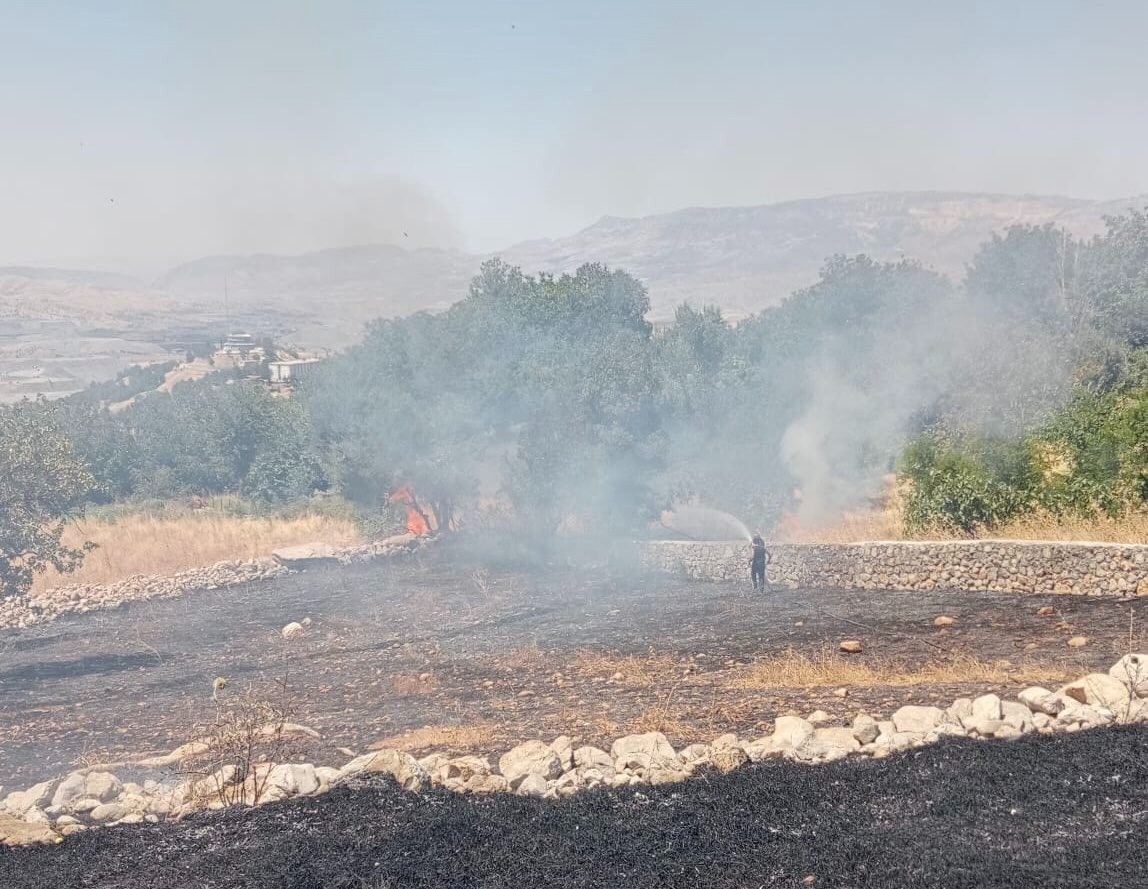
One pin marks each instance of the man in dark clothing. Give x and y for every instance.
(758, 562)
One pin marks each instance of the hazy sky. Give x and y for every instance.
(143, 133)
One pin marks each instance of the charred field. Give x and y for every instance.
(1052, 811)
(450, 652)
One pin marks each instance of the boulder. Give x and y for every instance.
(311, 555)
(695, 753)
(790, 731)
(827, 745)
(865, 728)
(851, 646)
(531, 758)
(1041, 700)
(292, 630)
(728, 758)
(916, 719)
(1017, 715)
(1099, 690)
(986, 707)
(17, 832)
(103, 786)
(1132, 672)
(532, 784)
(646, 752)
(20, 801)
(593, 758)
(69, 790)
(292, 779)
(563, 746)
(403, 767)
(463, 768)
(108, 812)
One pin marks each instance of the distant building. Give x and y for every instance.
(284, 374)
(238, 344)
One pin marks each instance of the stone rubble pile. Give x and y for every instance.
(55, 809)
(26, 611)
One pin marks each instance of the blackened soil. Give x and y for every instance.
(1051, 812)
(505, 653)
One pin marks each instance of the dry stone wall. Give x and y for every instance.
(1007, 566)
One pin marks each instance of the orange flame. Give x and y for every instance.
(416, 522)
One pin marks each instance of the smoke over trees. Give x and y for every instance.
(549, 400)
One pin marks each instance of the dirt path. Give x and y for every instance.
(445, 656)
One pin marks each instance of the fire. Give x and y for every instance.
(417, 523)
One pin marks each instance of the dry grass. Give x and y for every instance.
(886, 524)
(1129, 528)
(140, 544)
(794, 669)
(637, 672)
(442, 738)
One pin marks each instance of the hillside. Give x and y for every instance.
(741, 258)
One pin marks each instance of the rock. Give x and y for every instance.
(292, 779)
(487, 784)
(695, 754)
(827, 745)
(403, 767)
(790, 731)
(944, 621)
(865, 728)
(728, 758)
(593, 758)
(20, 801)
(960, 710)
(463, 768)
(308, 556)
(83, 806)
(17, 832)
(841, 693)
(818, 717)
(398, 541)
(531, 758)
(1040, 700)
(1046, 610)
(1077, 641)
(851, 646)
(916, 719)
(108, 812)
(292, 631)
(1131, 671)
(103, 786)
(69, 790)
(646, 752)
(1017, 715)
(531, 784)
(563, 746)
(661, 777)
(1099, 690)
(986, 707)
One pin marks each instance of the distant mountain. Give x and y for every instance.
(747, 258)
(741, 258)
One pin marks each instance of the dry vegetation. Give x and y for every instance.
(794, 669)
(887, 523)
(142, 544)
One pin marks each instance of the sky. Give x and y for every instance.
(135, 135)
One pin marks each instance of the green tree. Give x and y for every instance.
(42, 483)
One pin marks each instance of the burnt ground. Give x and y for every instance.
(444, 653)
(1049, 811)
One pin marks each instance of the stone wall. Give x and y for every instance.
(1007, 566)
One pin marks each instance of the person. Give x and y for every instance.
(758, 562)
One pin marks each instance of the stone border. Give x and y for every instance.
(1005, 566)
(54, 809)
(36, 608)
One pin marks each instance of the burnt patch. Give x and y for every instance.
(1056, 812)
